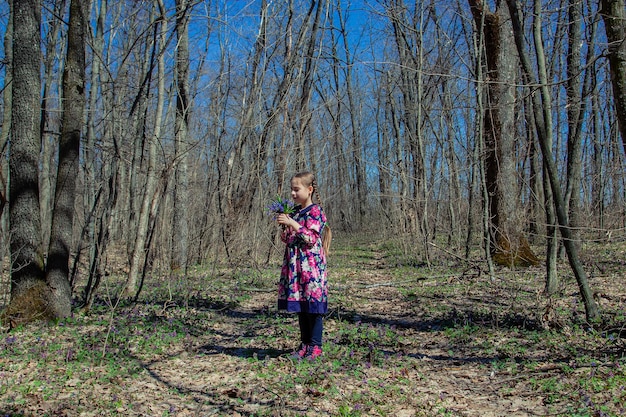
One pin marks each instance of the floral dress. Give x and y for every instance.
(303, 286)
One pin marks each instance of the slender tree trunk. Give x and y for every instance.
(552, 242)
(473, 181)
(597, 185)
(50, 122)
(236, 176)
(148, 195)
(355, 128)
(578, 87)
(335, 109)
(180, 230)
(408, 42)
(89, 150)
(535, 208)
(303, 113)
(4, 137)
(541, 108)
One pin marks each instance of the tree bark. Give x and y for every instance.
(89, 150)
(552, 241)
(614, 15)
(303, 112)
(73, 102)
(28, 289)
(507, 244)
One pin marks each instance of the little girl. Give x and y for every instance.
(303, 287)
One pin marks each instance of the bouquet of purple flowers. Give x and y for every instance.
(279, 206)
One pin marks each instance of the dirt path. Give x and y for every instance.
(448, 375)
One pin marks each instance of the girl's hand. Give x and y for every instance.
(286, 220)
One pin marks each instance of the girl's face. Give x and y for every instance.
(300, 193)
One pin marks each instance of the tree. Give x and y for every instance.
(57, 267)
(359, 187)
(6, 129)
(614, 15)
(541, 104)
(151, 191)
(180, 231)
(38, 289)
(507, 244)
(29, 292)
(408, 38)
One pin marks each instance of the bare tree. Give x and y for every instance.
(541, 108)
(407, 35)
(614, 15)
(102, 170)
(355, 113)
(151, 194)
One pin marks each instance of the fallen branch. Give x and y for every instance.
(472, 263)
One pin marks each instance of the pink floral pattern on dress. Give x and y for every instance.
(303, 285)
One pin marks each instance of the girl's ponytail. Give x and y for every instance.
(327, 236)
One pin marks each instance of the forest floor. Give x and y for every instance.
(401, 339)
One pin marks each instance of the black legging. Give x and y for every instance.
(311, 326)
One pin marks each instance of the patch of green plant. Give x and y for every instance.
(365, 342)
(461, 334)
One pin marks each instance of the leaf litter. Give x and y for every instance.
(399, 341)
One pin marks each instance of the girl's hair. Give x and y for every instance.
(308, 180)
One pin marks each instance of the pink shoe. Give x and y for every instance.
(313, 352)
(301, 352)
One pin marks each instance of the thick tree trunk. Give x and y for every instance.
(28, 290)
(508, 244)
(57, 268)
(614, 14)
